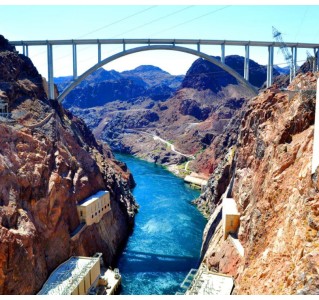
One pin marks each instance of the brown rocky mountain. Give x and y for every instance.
(275, 192)
(191, 119)
(107, 86)
(49, 161)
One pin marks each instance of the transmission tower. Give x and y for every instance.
(312, 61)
(283, 47)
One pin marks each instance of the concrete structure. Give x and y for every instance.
(196, 180)
(315, 153)
(92, 209)
(230, 217)
(114, 281)
(238, 246)
(205, 282)
(76, 276)
(270, 65)
(160, 44)
(108, 283)
(246, 63)
(81, 275)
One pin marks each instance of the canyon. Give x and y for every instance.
(191, 113)
(256, 150)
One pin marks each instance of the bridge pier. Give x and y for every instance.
(246, 63)
(50, 71)
(25, 50)
(270, 65)
(294, 62)
(74, 55)
(222, 56)
(317, 59)
(315, 149)
(99, 52)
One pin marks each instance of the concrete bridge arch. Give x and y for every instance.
(111, 58)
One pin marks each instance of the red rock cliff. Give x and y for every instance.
(49, 161)
(275, 193)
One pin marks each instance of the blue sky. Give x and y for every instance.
(233, 22)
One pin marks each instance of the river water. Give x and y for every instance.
(166, 240)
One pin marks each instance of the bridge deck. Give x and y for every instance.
(160, 41)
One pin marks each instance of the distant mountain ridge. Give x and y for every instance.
(151, 82)
(104, 86)
(282, 70)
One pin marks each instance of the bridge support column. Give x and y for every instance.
(294, 61)
(50, 71)
(222, 56)
(74, 55)
(246, 63)
(314, 61)
(99, 52)
(291, 66)
(25, 50)
(315, 150)
(317, 58)
(270, 65)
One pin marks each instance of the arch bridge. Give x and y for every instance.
(181, 45)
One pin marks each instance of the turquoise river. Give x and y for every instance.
(167, 236)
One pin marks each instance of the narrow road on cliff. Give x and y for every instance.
(157, 138)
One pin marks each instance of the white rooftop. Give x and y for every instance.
(229, 206)
(215, 285)
(67, 276)
(210, 283)
(92, 198)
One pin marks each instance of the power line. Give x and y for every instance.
(156, 20)
(301, 23)
(191, 20)
(108, 25)
(133, 29)
(143, 25)
(118, 21)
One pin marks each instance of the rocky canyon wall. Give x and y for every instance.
(49, 161)
(276, 195)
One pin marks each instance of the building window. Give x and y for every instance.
(102, 208)
(99, 211)
(81, 213)
(96, 213)
(92, 216)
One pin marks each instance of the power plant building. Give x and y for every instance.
(92, 209)
(231, 217)
(74, 277)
